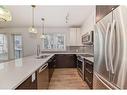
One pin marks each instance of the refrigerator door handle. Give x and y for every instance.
(106, 43)
(111, 43)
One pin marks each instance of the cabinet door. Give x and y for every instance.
(89, 73)
(50, 64)
(43, 77)
(65, 61)
(103, 10)
(29, 83)
(72, 36)
(78, 37)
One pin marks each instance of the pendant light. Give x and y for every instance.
(5, 14)
(33, 29)
(67, 18)
(43, 36)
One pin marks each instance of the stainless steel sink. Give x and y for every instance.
(43, 56)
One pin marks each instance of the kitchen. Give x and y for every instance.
(61, 47)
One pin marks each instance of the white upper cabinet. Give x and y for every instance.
(75, 37)
(72, 37)
(78, 36)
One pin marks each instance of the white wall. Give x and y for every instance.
(29, 41)
(89, 23)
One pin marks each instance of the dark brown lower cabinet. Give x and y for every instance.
(66, 61)
(51, 66)
(28, 83)
(40, 80)
(44, 73)
(89, 73)
(103, 10)
(43, 77)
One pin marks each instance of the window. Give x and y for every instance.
(3, 47)
(54, 42)
(17, 46)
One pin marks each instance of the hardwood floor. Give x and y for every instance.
(67, 78)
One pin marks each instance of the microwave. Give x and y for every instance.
(87, 39)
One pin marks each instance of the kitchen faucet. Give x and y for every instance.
(38, 50)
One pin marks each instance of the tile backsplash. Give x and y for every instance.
(82, 49)
(72, 49)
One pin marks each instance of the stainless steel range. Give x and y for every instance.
(80, 66)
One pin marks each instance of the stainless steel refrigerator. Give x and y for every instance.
(110, 51)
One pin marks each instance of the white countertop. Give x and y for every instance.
(66, 53)
(14, 72)
(90, 59)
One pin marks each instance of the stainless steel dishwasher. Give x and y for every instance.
(43, 77)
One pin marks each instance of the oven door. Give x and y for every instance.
(80, 67)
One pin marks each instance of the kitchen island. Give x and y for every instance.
(14, 72)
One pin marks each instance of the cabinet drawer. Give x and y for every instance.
(88, 71)
(90, 83)
(89, 67)
(89, 75)
(28, 83)
(65, 61)
(88, 62)
(89, 79)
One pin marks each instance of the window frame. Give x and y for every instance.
(64, 49)
(7, 44)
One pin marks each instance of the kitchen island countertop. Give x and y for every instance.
(14, 72)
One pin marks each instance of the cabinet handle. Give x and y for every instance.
(88, 71)
(43, 67)
(90, 63)
(80, 60)
(88, 80)
(49, 60)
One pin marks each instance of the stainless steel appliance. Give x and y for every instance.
(87, 38)
(43, 77)
(110, 51)
(80, 66)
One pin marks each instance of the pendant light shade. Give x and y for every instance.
(32, 29)
(5, 14)
(43, 36)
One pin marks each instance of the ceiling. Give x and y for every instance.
(54, 15)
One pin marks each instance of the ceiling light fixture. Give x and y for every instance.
(33, 29)
(5, 14)
(43, 36)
